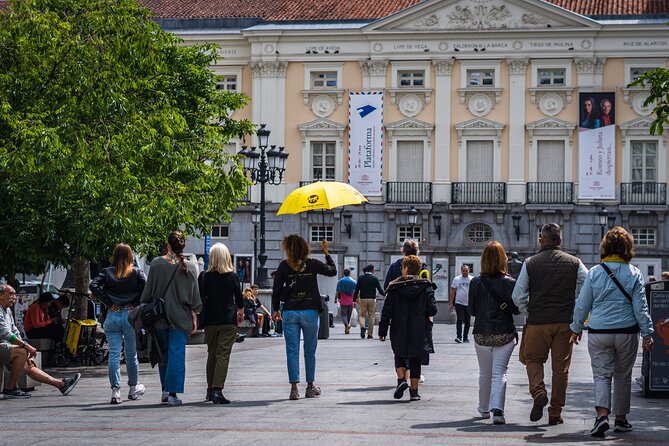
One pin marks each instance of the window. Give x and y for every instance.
(551, 76)
(410, 78)
(636, 73)
(220, 231)
(227, 82)
(317, 232)
(480, 161)
(323, 161)
(323, 79)
(481, 78)
(410, 161)
(406, 232)
(644, 161)
(644, 236)
(550, 161)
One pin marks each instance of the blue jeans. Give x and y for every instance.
(307, 321)
(117, 328)
(173, 345)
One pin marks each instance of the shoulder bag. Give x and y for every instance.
(616, 281)
(501, 302)
(155, 310)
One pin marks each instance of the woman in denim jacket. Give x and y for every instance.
(614, 326)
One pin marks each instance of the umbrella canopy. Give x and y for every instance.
(320, 195)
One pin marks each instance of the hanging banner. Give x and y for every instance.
(365, 153)
(597, 147)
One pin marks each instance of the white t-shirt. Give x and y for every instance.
(461, 285)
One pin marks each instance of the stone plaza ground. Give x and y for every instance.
(357, 407)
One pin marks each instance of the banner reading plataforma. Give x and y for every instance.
(596, 146)
(365, 153)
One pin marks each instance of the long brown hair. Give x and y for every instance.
(177, 243)
(297, 250)
(122, 260)
(493, 259)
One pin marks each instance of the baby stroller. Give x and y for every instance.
(79, 342)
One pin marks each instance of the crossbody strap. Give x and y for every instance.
(616, 281)
(502, 305)
(162, 296)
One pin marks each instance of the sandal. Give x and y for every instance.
(294, 394)
(312, 391)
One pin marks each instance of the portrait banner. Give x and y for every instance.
(365, 153)
(596, 147)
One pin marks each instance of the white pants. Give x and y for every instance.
(493, 365)
(612, 357)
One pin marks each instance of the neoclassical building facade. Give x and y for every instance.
(484, 122)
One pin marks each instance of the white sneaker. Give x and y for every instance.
(484, 414)
(164, 397)
(422, 379)
(116, 396)
(173, 401)
(136, 391)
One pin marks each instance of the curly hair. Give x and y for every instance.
(413, 264)
(617, 242)
(296, 249)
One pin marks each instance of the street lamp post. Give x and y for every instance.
(602, 215)
(255, 218)
(270, 169)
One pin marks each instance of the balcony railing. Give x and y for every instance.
(408, 192)
(305, 182)
(550, 193)
(478, 193)
(643, 193)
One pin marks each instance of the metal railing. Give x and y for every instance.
(550, 193)
(408, 192)
(478, 193)
(643, 193)
(305, 182)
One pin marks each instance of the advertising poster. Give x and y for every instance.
(659, 357)
(440, 277)
(365, 156)
(596, 146)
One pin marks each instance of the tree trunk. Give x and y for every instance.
(81, 268)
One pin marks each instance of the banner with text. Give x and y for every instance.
(596, 147)
(365, 141)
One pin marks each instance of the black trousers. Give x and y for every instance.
(53, 331)
(413, 364)
(463, 317)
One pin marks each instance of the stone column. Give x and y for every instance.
(515, 192)
(442, 130)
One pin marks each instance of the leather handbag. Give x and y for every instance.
(155, 310)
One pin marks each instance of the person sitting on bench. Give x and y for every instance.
(38, 324)
(255, 312)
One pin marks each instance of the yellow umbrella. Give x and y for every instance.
(320, 195)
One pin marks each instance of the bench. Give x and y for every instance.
(25, 382)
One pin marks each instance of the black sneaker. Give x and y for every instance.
(362, 332)
(600, 427)
(414, 395)
(15, 393)
(399, 390)
(458, 340)
(622, 426)
(68, 384)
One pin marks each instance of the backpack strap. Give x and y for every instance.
(616, 281)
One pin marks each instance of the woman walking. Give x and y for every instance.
(174, 279)
(614, 296)
(223, 306)
(409, 304)
(119, 287)
(296, 286)
(494, 332)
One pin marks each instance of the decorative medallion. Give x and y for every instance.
(268, 48)
(551, 104)
(480, 104)
(323, 106)
(443, 46)
(410, 105)
(586, 44)
(517, 45)
(637, 104)
(377, 47)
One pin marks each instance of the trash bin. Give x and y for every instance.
(324, 324)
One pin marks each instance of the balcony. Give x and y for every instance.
(478, 193)
(408, 192)
(306, 182)
(643, 193)
(550, 193)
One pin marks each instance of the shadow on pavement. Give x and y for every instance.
(472, 425)
(368, 389)
(374, 402)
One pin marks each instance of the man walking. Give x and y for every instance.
(344, 295)
(365, 296)
(546, 291)
(459, 299)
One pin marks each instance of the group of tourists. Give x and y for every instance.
(554, 289)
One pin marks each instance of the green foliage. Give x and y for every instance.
(110, 130)
(658, 82)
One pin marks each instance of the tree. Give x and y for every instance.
(658, 82)
(111, 130)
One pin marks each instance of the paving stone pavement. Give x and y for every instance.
(357, 407)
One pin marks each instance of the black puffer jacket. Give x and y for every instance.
(490, 319)
(409, 303)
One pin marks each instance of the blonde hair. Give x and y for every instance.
(248, 294)
(219, 259)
